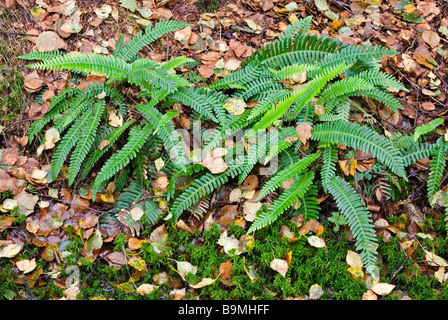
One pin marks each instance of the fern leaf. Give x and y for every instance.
(239, 78)
(297, 27)
(437, 167)
(427, 128)
(415, 153)
(67, 143)
(309, 206)
(191, 98)
(353, 209)
(361, 138)
(305, 49)
(116, 162)
(108, 66)
(85, 141)
(133, 46)
(286, 174)
(285, 201)
(328, 170)
(37, 55)
(93, 158)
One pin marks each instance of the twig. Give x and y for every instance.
(402, 265)
(247, 30)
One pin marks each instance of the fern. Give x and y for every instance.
(120, 159)
(329, 160)
(437, 167)
(286, 199)
(297, 27)
(133, 46)
(202, 186)
(427, 128)
(415, 153)
(359, 220)
(361, 138)
(286, 174)
(309, 205)
(85, 141)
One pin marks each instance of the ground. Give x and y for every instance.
(42, 258)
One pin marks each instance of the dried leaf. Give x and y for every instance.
(8, 249)
(304, 132)
(354, 259)
(49, 41)
(146, 289)
(316, 292)
(26, 265)
(383, 289)
(316, 242)
(279, 265)
(204, 282)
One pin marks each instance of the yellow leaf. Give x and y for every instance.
(204, 282)
(356, 273)
(108, 198)
(348, 166)
(138, 263)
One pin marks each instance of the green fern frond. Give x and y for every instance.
(257, 86)
(177, 62)
(189, 97)
(381, 79)
(202, 186)
(239, 78)
(297, 27)
(277, 142)
(385, 97)
(284, 202)
(361, 138)
(427, 128)
(69, 140)
(97, 153)
(290, 71)
(305, 48)
(286, 174)
(359, 220)
(302, 96)
(254, 154)
(85, 141)
(93, 63)
(437, 167)
(309, 205)
(119, 160)
(140, 40)
(351, 54)
(343, 87)
(415, 153)
(329, 160)
(37, 55)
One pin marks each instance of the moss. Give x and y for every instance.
(207, 5)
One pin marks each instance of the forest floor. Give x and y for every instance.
(43, 258)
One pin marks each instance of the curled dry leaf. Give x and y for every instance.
(369, 295)
(316, 242)
(279, 265)
(204, 282)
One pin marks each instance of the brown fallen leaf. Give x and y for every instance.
(304, 132)
(279, 265)
(49, 41)
(432, 38)
(9, 249)
(33, 82)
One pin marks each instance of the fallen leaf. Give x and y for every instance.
(49, 41)
(228, 243)
(383, 289)
(354, 259)
(251, 182)
(204, 282)
(235, 106)
(279, 265)
(304, 132)
(8, 249)
(316, 242)
(250, 210)
(435, 260)
(183, 35)
(33, 82)
(316, 292)
(185, 267)
(137, 213)
(214, 164)
(431, 38)
(26, 265)
(225, 269)
(146, 289)
(369, 295)
(52, 136)
(138, 263)
(26, 202)
(348, 166)
(440, 274)
(115, 119)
